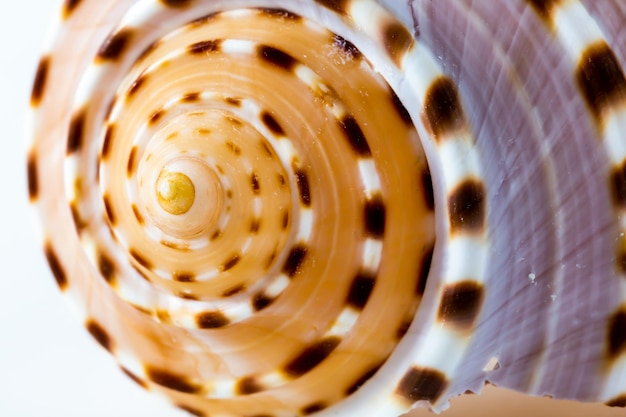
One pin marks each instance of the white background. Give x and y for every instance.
(49, 366)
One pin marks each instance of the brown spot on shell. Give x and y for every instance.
(601, 79)
(285, 219)
(294, 260)
(184, 277)
(176, 3)
(618, 185)
(216, 235)
(256, 185)
(41, 80)
(429, 193)
(279, 13)
(619, 401)
(231, 262)
(234, 121)
(400, 109)
(353, 133)
(141, 260)
(76, 132)
(190, 97)
(141, 273)
(403, 329)
(108, 139)
(108, 208)
(138, 215)
(130, 167)
(115, 45)
(267, 149)
(58, 271)
(347, 48)
(313, 408)
(272, 124)
(304, 189)
(187, 296)
(277, 57)
(374, 214)
(261, 301)
(360, 290)
(270, 259)
(467, 206)
(461, 303)
(172, 381)
(193, 411)
(134, 377)
(205, 47)
(211, 320)
(233, 101)
(248, 385)
(141, 309)
(234, 290)
(255, 225)
(76, 217)
(442, 108)
(397, 40)
(136, 85)
(69, 6)
(236, 150)
(206, 19)
(172, 245)
(422, 384)
(32, 174)
(337, 5)
(360, 381)
(544, 8)
(78, 187)
(617, 334)
(156, 116)
(424, 270)
(312, 356)
(98, 333)
(164, 316)
(106, 267)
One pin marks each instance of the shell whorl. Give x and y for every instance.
(317, 207)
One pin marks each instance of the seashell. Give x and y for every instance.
(339, 207)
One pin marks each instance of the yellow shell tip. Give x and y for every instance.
(175, 192)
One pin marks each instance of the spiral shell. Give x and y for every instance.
(339, 207)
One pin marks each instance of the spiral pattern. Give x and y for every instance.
(208, 189)
(210, 186)
(310, 207)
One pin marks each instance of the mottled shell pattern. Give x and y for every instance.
(339, 207)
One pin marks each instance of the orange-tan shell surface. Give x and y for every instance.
(339, 207)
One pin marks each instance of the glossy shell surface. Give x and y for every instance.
(339, 207)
